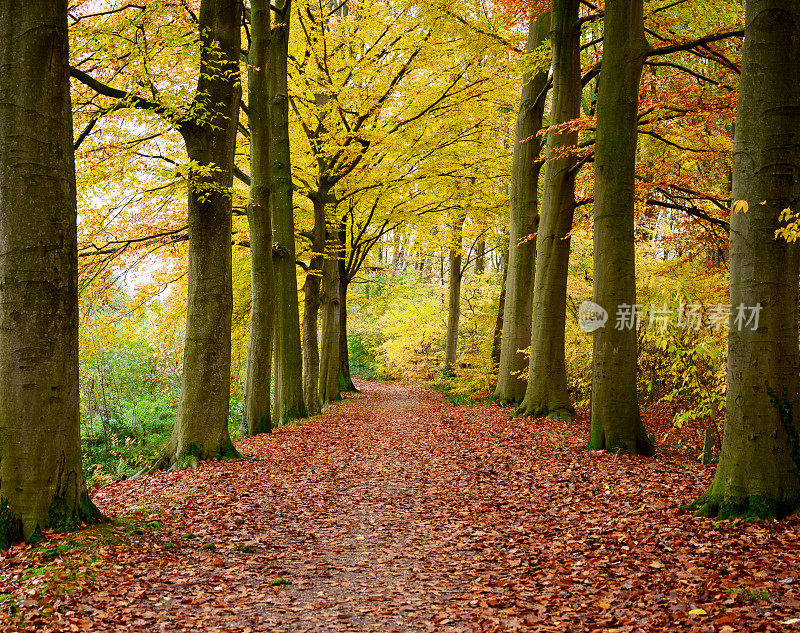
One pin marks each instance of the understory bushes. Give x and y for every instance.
(129, 388)
(398, 323)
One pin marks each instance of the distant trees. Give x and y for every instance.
(41, 476)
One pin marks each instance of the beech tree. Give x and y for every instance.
(455, 256)
(523, 224)
(616, 421)
(258, 373)
(208, 128)
(758, 473)
(289, 402)
(546, 393)
(329, 390)
(41, 475)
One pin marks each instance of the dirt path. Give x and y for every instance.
(397, 512)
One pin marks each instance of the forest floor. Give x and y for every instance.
(396, 511)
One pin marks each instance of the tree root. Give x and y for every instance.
(168, 459)
(752, 508)
(564, 413)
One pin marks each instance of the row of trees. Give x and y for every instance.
(359, 189)
(758, 468)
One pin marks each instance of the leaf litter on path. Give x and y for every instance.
(397, 512)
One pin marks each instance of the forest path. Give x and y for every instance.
(395, 511)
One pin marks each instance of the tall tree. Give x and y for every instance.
(258, 374)
(345, 377)
(201, 427)
(311, 304)
(289, 403)
(456, 274)
(546, 393)
(331, 327)
(616, 421)
(758, 473)
(41, 476)
(523, 224)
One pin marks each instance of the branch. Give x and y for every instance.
(685, 46)
(134, 101)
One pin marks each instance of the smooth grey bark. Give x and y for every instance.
(258, 372)
(757, 475)
(454, 295)
(289, 403)
(546, 394)
(201, 427)
(616, 421)
(311, 305)
(41, 478)
(331, 327)
(345, 377)
(523, 224)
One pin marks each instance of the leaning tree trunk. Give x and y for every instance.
(258, 373)
(523, 225)
(329, 361)
(41, 479)
(454, 298)
(201, 427)
(289, 402)
(758, 468)
(546, 394)
(616, 422)
(311, 304)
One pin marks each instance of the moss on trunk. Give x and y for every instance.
(41, 478)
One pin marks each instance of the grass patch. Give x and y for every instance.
(751, 594)
(279, 582)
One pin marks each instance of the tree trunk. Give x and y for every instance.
(329, 363)
(546, 394)
(201, 426)
(480, 257)
(497, 337)
(454, 300)
(616, 422)
(758, 471)
(345, 378)
(289, 402)
(311, 304)
(41, 478)
(523, 224)
(258, 373)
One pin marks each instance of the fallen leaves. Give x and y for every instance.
(398, 512)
